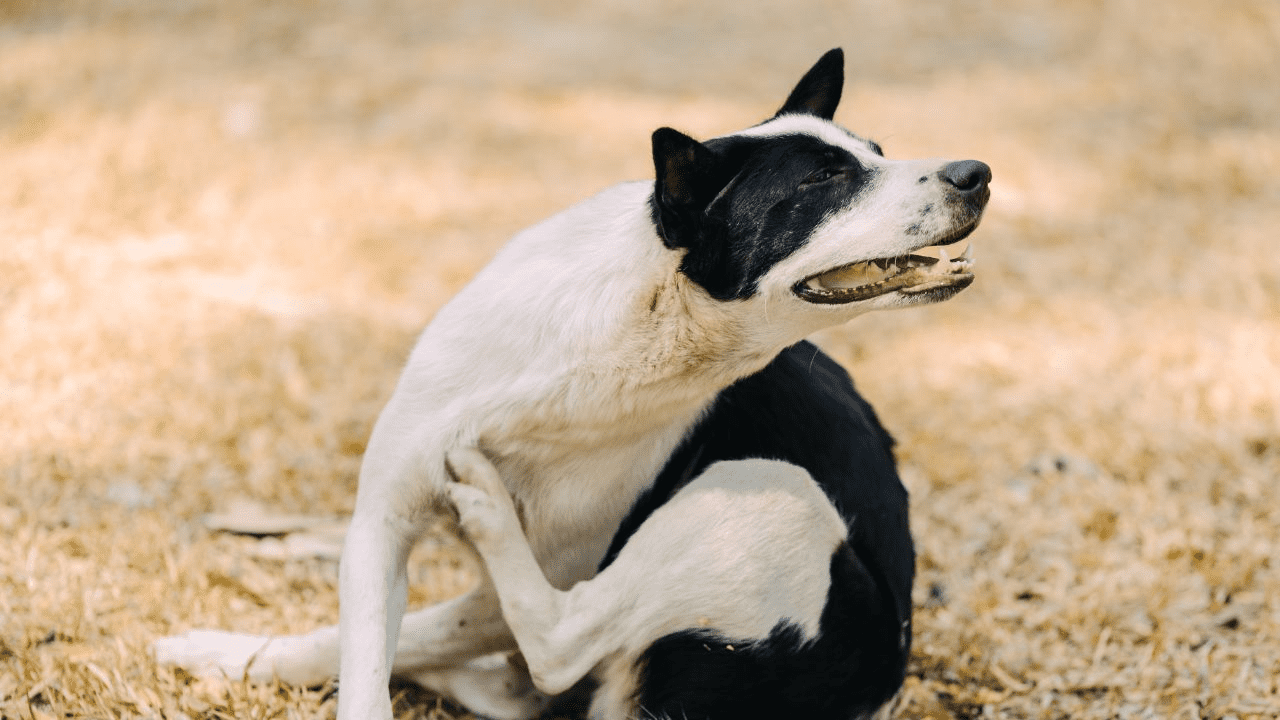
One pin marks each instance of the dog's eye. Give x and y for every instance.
(822, 175)
(875, 147)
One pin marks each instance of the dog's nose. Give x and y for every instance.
(967, 176)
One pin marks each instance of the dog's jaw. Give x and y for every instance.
(911, 275)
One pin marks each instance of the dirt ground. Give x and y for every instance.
(222, 223)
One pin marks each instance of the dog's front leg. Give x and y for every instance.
(373, 590)
(394, 500)
(562, 635)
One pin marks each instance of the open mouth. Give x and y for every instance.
(927, 270)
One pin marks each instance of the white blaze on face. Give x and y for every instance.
(883, 240)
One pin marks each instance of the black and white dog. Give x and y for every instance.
(604, 364)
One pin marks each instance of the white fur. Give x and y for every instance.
(745, 545)
(576, 360)
(551, 361)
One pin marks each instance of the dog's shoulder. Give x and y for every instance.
(555, 294)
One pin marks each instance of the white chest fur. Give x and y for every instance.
(577, 359)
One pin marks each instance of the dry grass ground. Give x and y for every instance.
(222, 223)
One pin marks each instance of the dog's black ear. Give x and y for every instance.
(687, 181)
(818, 92)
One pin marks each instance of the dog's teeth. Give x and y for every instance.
(967, 254)
(943, 259)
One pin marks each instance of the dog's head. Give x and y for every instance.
(801, 212)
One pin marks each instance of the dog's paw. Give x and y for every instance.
(482, 501)
(478, 513)
(470, 467)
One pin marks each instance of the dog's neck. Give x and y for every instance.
(660, 363)
(684, 339)
(584, 326)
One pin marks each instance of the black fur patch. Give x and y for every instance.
(818, 92)
(803, 409)
(760, 201)
(844, 672)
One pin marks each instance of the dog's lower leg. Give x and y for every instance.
(490, 686)
(372, 589)
(453, 632)
(304, 660)
(560, 646)
(436, 637)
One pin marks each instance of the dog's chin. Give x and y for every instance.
(933, 293)
(913, 279)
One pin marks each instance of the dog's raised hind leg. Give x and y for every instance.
(563, 635)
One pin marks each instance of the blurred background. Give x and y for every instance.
(223, 222)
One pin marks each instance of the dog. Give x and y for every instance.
(587, 358)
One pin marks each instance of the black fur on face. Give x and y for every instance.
(739, 205)
(754, 202)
